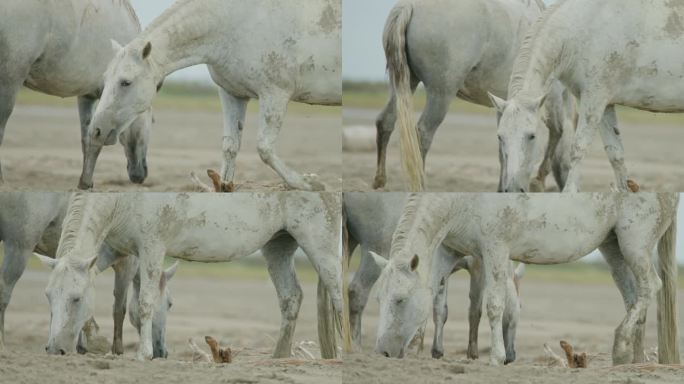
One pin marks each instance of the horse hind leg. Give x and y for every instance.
(384, 125)
(440, 313)
(436, 108)
(626, 283)
(279, 255)
(13, 266)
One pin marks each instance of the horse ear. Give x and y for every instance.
(146, 51)
(171, 271)
(116, 46)
(498, 103)
(414, 263)
(379, 260)
(46, 261)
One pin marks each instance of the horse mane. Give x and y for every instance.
(405, 225)
(72, 223)
(522, 62)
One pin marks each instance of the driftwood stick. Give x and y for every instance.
(220, 355)
(574, 360)
(552, 355)
(198, 352)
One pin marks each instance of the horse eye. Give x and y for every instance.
(75, 300)
(400, 301)
(532, 136)
(125, 83)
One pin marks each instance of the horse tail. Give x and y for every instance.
(394, 42)
(668, 349)
(326, 323)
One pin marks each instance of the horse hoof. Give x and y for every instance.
(437, 354)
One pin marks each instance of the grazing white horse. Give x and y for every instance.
(612, 52)
(370, 219)
(33, 221)
(204, 228)
(459, 48)
(269, 50)
(62, 49)
(537, 229)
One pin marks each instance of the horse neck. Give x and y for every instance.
(86, 224)
(180, 37)
(426, 221)
(542, 56)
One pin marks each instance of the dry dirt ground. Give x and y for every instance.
(585, 315)
(464, 155)
(242, 314)
(42, 151)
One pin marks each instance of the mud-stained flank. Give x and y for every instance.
(275, 68)
(674, 27)
(331, 18)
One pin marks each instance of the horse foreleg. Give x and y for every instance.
(8, 95)
(440, 312)
(475, 309)
(150, 259)
(624, 279)
(234, 109)
(279, 255)
(13, 266)
(86, 105)
(359, 291)
(591, 112)
(648, 283)
(272, 109)
(612, 143)
(124, 270)
(496, 270)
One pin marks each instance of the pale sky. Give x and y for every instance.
(362, 25)
(147, 11)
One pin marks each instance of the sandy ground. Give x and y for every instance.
(464, 157)
(42, 151)
(242, 314)
(584, 315)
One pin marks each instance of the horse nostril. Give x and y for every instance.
(522, 190)
(46, 348)
(61, 351)
(386, 354)
(98, 132)
(506, 190)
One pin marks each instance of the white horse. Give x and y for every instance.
(204, 228)
(462, 48)
(267, 49)
(370, 219)
(612, 52)
(33, 221)
(538, 229)
(62, 49)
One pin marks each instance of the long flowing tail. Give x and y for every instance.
(326, 323)
(394, 42)
(668, 341)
